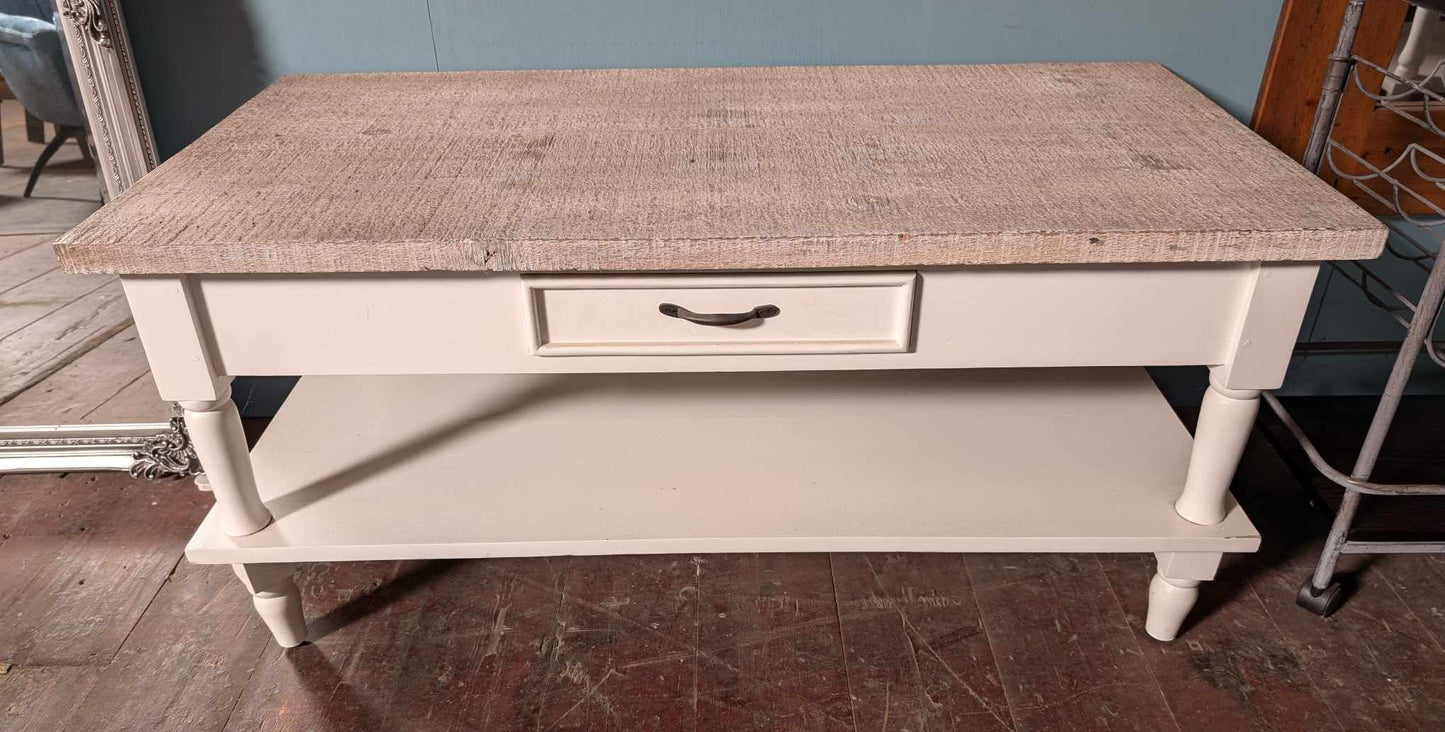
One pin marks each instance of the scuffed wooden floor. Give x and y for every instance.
(68, 352)
(106, 627)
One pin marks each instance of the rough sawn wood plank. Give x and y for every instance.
(715, 169)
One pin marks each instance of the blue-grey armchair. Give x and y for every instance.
(41, 9)
(32, 60)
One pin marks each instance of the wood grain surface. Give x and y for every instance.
(715, 169)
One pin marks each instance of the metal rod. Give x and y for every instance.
(1377, 173)
(1350, 347)
(1420, 327)
(1363, 283)
(1334, 85)
(1335, 476)
(1392, 547)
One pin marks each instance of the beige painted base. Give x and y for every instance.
(1026, 460)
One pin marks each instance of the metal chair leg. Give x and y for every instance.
(1320, 593)
(34, 128)
(82, 137)
(61, 136)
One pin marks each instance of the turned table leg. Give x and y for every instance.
(1169, 603)
(215, 429)
(1174, 589)
(1225, 420)
(277, 600)
(177, 347)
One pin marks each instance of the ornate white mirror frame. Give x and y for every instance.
(110, 90)
(125, 150)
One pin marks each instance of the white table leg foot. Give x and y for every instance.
(215, 428)
(1174, 589)
(277, 600)
(1169, 603)
(1225, 419)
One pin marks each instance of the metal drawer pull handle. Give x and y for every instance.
(678, 311)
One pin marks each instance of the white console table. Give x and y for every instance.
(722, 310)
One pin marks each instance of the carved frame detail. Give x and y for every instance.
(110, 91)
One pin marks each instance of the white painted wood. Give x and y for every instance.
(220, 444)
(1170, 601)
(944, 461)
(175, 343)
(277, 600)
(110, 90)
(368, 467)
(1272, 308)
(477, 323)
(824, 312)
(1226, 417)
(1188, 565)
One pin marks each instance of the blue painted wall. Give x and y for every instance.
(199, 60)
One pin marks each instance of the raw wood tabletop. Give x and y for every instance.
(736, 168)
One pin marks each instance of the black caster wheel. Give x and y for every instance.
(1320, 602)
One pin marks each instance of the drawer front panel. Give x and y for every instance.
(585, 315)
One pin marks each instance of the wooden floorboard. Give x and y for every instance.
(1374, 660)
(1231, 670)
(172, 673)
(1066, 654)
(30, 302)
(82, 558)
(770, 648)
(1419, 581)
(48, 319)
(137, 402)
(15, 243)
(24, 258)
(621, 649)
(366, 615)
(483, 660)
(917, 653)
(42, 698)
(44, 346)
(86, 385)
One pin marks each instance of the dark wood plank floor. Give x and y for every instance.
(104, 626)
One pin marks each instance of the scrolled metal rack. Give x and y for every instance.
(1414, 101)
(1414, 90)
(1375, 173)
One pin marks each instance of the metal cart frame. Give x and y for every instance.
(1321, 592)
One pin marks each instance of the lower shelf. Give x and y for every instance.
(1058, 460)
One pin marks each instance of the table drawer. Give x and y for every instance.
(622, 315)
